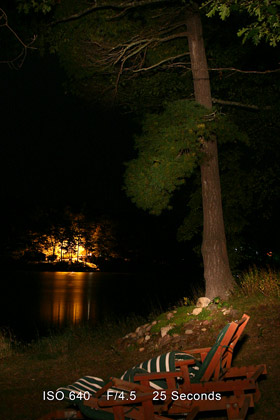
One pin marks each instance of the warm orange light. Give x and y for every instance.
(61, 252)
(67, 299)
(76, 244)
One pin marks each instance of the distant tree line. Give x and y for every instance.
(72, 239)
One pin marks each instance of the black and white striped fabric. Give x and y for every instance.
(87, 386)
(82, 390)
(163, 363)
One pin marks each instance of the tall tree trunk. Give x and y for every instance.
(217, 274)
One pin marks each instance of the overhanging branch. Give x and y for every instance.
(161, 62)
(131, 55)
(238, 104)
(243, 71)
(121, 8)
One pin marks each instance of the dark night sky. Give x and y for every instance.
(57, 149)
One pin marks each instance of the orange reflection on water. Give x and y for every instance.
(66, 299)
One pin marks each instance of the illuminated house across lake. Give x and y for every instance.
(75, 242)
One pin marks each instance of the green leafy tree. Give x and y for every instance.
(264, 22)
(168, 151)
(170, 148)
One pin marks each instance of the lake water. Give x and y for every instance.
(32, 303)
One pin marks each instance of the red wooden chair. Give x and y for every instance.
(198, 380)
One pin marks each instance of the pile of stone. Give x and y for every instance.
(144, 338)
(142, 333)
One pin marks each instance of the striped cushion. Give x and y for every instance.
(81, 388)
(79, 391)
(163, 363)
(193, 369)
(86, 384)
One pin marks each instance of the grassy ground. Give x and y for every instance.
(60, 360)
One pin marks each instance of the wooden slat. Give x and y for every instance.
(193, 413)
(62, 415)
(257, 373)
(244, 408)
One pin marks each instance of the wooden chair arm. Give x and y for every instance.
(198, 351)
(180, 363)
(201, 352)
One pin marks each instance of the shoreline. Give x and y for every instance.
(103, 267)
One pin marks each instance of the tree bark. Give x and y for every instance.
(217, 274)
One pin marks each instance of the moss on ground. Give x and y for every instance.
(179, 318)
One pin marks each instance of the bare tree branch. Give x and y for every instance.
(243, 71)
(161, 62)
(16, 62)
(130, 56)
(122, 8)
(138, 45)
(238, 104)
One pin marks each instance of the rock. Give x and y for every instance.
(142, 349)
(235, 313)
(145, 326)
(169, 315)
(154, 322)
(196, 311)
(147, 337)
(164, 330)
(176, 339)
(189, 332)
(140, 331)
(203, 329)
(202, 302)
(148, 328)
(213, 308)
(226, 311)
(164, 340)
(140, 340)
